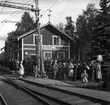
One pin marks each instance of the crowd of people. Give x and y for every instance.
(71, 70)
(59, 69)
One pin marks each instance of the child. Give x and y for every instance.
(84, 77)
(35, 70)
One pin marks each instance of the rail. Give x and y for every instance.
(26, 90)
(42, 97)
(3, 101)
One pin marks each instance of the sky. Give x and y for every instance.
(59, 11)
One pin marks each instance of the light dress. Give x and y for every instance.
(21, 69)
(84, 77)
(71, 71)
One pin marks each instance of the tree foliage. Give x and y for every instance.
(101, 31)
(84, 26)
(69, 27)
(61, 26)
(25, 25)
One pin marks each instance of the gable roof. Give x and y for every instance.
(30, 32)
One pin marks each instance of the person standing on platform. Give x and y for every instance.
(64, 70)
(98, 72)
(21, 69)
(75, 71)
(35, 70)
(70, 70)
(60, 70)
(84, 78)
(55, 68)
(29, 67)
(17, 65)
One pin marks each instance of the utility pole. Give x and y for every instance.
(37, 26)
(38, 42)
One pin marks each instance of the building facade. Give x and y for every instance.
(55, 44)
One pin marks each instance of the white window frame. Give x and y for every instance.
(47, 52)
(60, 52)
(34, 36)
(56, 37)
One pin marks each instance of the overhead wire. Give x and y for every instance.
(43, 12)
(49, 7)
(1, 13)
(15, 13)
(7, 12)
(53, 5)
(58, 3)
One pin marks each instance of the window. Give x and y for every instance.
(56, 40)
(47, 55)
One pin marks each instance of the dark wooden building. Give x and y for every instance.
(55, 44)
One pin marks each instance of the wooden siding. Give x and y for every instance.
(29, 46)
(28, 39)
(64, 41)
(47, 36)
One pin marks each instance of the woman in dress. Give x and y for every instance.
(70, 70)
(55, 68)
(21, 69)
(98, 72)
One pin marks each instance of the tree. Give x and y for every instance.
(60, 26)
(84, 25)
(100, 40)
(69, 27)
(27, 23)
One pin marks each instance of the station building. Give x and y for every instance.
(55, 44)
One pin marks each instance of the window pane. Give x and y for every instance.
(56, 40)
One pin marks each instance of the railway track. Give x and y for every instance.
(23, 96)
(51, 95)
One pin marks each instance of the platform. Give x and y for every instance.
(96, 94)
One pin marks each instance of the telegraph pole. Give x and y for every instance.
(37, 26)
(39, 57)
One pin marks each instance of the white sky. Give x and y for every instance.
(61, 9)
